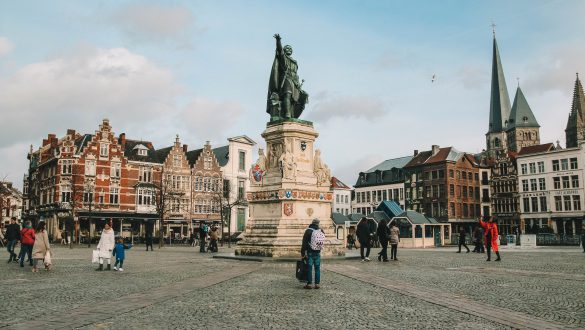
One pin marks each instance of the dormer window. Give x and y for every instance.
(142, 152)
(525, 119)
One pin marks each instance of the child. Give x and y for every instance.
(120, 254)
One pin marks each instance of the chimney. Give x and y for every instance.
(415, 152)
(122, 139)
(435, 149)
(71, 132)
(185, 147)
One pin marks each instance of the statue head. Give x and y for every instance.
(260, 152)
(288, 50)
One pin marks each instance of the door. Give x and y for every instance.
(241, 220)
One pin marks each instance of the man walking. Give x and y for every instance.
(313, 241)
(462, 235)
(583, 237)
(202, 236)
(12, 236)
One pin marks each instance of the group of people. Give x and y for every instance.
(207, 233)
(486, 232)
(109, 248)
(34, 244)
(386, 233)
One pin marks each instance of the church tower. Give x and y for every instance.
(496, 139)
(575, 132)
(522, 129)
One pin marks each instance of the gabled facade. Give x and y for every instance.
(207, 184)
(10, 202)
(341, 197)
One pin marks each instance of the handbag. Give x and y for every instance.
(301, 271)
(48, 260)
(95, 256)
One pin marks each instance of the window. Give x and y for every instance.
(567, 200)
(532, 168)
(573, 163)
(458, 191)
(541, 184)
(557, 182)
(464, 191)
(65, 194)
(566, 182)
(401, 191)
(114, 196)
(555, 165)
(575, 181)
(533, 186)
(176, 160)
(347, 199)
(464, 175)
(526, 202)
(142, 152)
(534, 201)
(242, 160)
(241, 190)
(451, 174)
(452, 206)
(564, 164)
(458, 175)
(88, 197)
(543, 207)
(66, 166)
(358, 197)
(115, 170)
(524, 185)
(207, 163)
(145, 196)
(90, 167)
(441, 191)
(576, 202)
(558, 203)
(524, 168)
(145, 174)
(101, 199)
(540, 167)
(384, 195)
(452, 190)
(103, 150)
(465, 210)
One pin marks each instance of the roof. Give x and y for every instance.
(417, 218)
(499, 99)
(81, 142)
(445, 154)
(339, 218)
(379, 216)
(521, 114)
(536, 149)
(390, 164)
(131, 154)
(419, 159)
(355, 216)
(161, 154)
(222, 154)
(193, 155)
(391, 208)
(243, 139)
(337, 184)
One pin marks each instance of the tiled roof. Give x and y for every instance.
(390, 164)
(81, 142)
(391, 208)
(378, 216)
(161, 154)
(419, 159)
(193, 155)
(356, 216)
(222, 154)
(521, 114)
(445, 154)
(337, 184)
(417, 218)
(536, 149)
(339, 218)
(132, 154)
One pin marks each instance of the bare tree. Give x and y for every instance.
(227, 200)
(164, 194)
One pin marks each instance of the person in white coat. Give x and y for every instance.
(105, 247)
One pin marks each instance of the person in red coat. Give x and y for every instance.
(490, 237)
(27, 240)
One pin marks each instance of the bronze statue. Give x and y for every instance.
(285, 98)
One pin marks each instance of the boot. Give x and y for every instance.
(498, 254)
(100, 268)
(109, 267)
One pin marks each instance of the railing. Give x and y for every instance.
(557, 240)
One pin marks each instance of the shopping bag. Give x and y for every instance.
(95, 256)
(301, 271)
(48, 261)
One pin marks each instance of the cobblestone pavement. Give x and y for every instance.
(177, 287)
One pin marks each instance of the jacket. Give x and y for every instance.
(27, 236)
(490, 229)
(462, 234)
(383, 232)
(118, 251)
(106, 244)
(305, 247)
(394, 235)
(214, 235)
(12, 232)
(41, 245)
(363, 232)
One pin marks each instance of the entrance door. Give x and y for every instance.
(437, 235)
(241, 220)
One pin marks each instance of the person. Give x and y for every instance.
(58, 236)
(491, 237)
(64, 237)
(27, 240)
(214, 236)
(350, 241)
(478, 240)
(394, 240)
(202, 236)
(12, 236)
(191, 238)
(383, 235)
(583, 237)
(364, 237)
(148, 239)
(120, 254)
(313, 241)
(106, 246)
(462, 235)
(41, 247)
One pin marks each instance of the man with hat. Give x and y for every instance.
(313, 240)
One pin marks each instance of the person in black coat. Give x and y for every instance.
(12, 237)
(462, 234)
(383, 233)
(364, 236)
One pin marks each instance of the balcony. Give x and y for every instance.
(485, 182)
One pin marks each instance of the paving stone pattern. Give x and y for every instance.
(177, 287)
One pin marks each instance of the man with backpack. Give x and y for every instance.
(313, 241)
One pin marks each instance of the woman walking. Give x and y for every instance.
(364, 236)
(105, 247)
(27, 240)
(41, 248)
(394, 239)
(383, 235)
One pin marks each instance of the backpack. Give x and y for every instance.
(317, 240)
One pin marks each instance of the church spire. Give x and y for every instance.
(575, 131)
(499, 101)
(521, 115)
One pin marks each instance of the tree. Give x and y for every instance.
(164, 194)
(226, 201)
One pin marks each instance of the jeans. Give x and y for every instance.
(10, 248)
(393, 251)
(462, 243)
(384, 252)
(365, 245)
(314, 259)
(202, 245)
(120, 261)
(213, 245)
(24, 250)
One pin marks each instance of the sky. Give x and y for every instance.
(200, 69)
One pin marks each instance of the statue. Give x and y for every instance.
(273, 155)
(257, 171)
(284, 82)
(288, 166)
(321, 170)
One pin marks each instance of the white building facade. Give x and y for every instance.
(341, 197)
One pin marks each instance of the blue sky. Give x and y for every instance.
(200, 69)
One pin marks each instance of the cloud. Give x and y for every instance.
(329, 106)
(473, 77)
(79, 90)
(349, 170)
(209, 119)
(6, 46)
(154, 23)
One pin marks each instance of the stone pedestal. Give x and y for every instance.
(288, 195)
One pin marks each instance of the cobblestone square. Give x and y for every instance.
(177, 287)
